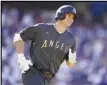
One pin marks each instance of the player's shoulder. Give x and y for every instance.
(71, 35)
(43, 24)
(38, 24)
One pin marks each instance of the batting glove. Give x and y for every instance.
(23, 63)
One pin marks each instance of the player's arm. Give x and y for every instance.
(19, 40)
(71, 56)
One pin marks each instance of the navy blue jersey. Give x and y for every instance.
(48, 47)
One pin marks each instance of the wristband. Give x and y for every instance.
(20, 54)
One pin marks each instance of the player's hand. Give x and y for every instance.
(23, 63)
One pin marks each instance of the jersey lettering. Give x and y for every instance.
(51, 43)
(57, 44)
(62, 45)
(44, 45)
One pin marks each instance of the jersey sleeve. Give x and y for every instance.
(73, 49)
(29, 33)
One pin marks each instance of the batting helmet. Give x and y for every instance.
(60, 13)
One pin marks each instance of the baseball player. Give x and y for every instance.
(51, 44)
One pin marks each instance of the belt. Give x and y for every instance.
(48, 74)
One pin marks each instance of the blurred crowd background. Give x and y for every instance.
(90, 29)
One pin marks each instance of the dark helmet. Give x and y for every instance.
(61, 12)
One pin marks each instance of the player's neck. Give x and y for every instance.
(60, 27)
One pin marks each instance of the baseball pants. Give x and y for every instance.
(34, 78)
